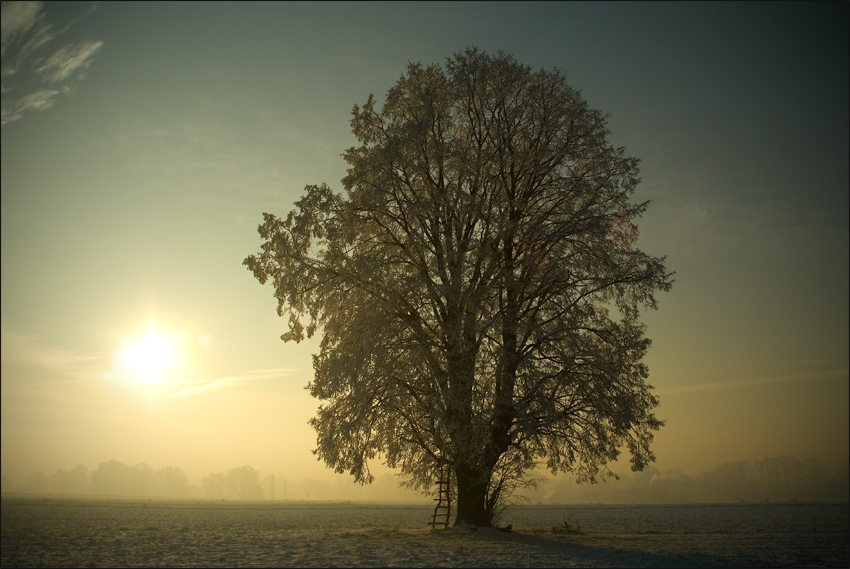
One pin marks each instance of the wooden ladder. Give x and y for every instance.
(443, 509)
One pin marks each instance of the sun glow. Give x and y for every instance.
(148, 358)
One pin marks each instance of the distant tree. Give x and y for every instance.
(110, 479)
(78, 480)
(478, 287)
(37, 482)
(245, 483)
(141, 481)
(237, 483)
(815, 477)
(214, 485)
(673, 487)
(74, 482)
(642, 484)
(172, 482)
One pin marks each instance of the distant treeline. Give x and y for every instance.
(781, 478)
(115, 478)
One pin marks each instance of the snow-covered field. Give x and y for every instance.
(96, 533)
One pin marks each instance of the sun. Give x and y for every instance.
(148, 358)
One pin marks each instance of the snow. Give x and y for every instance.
(96, 533)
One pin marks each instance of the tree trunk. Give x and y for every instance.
(472, 497)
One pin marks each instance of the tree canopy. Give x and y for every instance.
(477, 287)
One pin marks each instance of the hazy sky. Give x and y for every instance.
(141, 143)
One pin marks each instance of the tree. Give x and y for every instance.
(215, 485)
(110, 479)
(242, 483)
(477, 287)
(172, 482)
(74, 482)
(245, 481)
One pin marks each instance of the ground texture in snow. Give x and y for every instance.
(98, 533)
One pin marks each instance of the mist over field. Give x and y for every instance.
(769, 479)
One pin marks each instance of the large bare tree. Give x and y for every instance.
(477, 286)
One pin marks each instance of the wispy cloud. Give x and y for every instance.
(26, 350)
(25, 32)
(39, 100)
(29, 351)
(810, 376)
(17, 19)
(232, 381)
(68, 59)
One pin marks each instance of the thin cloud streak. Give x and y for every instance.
(64, 62)
(233, 381)
(29, 351)
(113, 419)
(37, 101)
(25, 350)
(828, 374)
